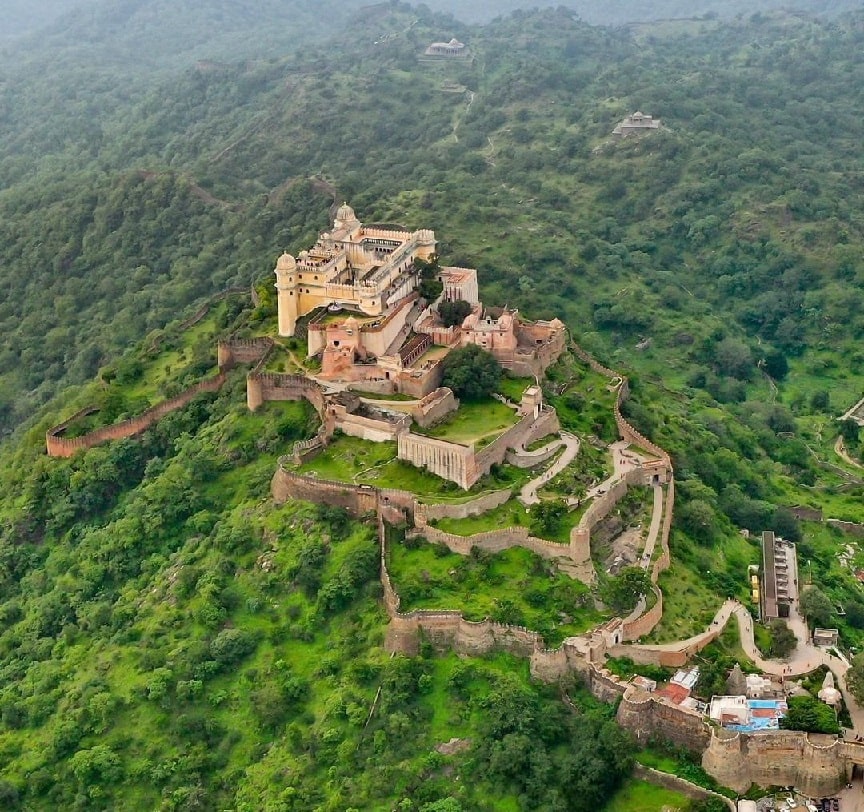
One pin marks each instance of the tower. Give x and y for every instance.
(286, 293)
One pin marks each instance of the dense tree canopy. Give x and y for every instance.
(471, 372)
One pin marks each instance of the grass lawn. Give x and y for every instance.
(350, 459)
(640, 796)
(515, 586)
(513, 388)
(510, 514)
(473, 422)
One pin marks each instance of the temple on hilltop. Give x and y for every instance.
(357, 294)
(450, 50)
(638, 122)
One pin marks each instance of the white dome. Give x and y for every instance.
(286, 262)
(345, 214)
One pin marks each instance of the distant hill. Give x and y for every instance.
(22, 17)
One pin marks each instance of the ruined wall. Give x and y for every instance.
(367, 428)
(233, 351)
(813, 763)
(847, 527)
(57, 446)
(645, 623)
(419, 383)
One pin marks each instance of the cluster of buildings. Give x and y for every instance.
(356, 293)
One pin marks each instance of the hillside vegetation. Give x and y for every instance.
(169, 639)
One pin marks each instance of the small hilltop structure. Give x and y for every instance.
(448, 50)
(636, 123)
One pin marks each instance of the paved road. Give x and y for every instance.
(654, 529)
(528, 494)
(804, 659)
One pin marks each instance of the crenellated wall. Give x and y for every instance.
(58, 446)
(813, 763)
(233, 351)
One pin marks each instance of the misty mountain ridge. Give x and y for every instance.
(24, 18)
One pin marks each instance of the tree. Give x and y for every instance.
(849, 431)
(855, 677)
(816, 606)
(471, 372)
(623, 591)
(810, 715)
(698, 520)
(783, 640)
(454, 312)
(546, 517)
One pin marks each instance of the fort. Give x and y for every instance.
(368, 299)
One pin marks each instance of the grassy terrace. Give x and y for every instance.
(640, 796)
(511, 514)
(474, 423)
(350, 459)
(515, 586)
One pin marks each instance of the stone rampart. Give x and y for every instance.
(357, 499)
(649, 716)
(273, 386)
(58, 446)
(645, 623)
(233, 351)
(489, 501)
(448, 630)
(815, 764)
(851, 528)
(529, 459)
(495, 541)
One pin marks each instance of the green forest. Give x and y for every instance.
(171, 640)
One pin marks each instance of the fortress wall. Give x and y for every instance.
(647, 716)
(676, 784)
(664, 560)
(524, 432)
(375, 387)
(453, 462)
(463, 510)
(357, 499)
(66, 447)
(235, 351)
(495, 541)
(814, 764)
(449, 630)
(271, 386)
(847, 527)
(645, 624)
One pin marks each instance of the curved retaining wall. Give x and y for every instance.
(814, 764)
(58, 446)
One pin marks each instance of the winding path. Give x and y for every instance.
(528, 494)
(804, 659)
